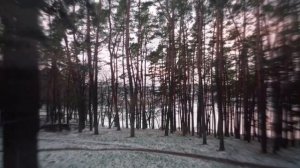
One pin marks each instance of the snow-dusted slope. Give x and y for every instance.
(71, 149)
(113, 148)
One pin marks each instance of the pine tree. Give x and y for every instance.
(20, 90)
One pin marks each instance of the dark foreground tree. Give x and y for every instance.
(20, 90)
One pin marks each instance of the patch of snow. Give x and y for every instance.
(235, 149)
(73, 149)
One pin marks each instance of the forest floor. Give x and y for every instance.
(150, 148)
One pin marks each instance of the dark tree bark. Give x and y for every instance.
(89, 55)
(261, 90)
(171, 55)
(81, 98)
(113, 69)
(95, 85)
(244, 79)
(131, 92)
(219, 71)
(200, 66)
(124, 82)
(20, 89)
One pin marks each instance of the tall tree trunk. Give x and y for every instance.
(144, 79)
(68, 90)
(95, 86)
(237, 123)
(199, 66)
(128, 57)
(20, 90)
(89, 54)
(219, 72)
(261, 89)
(212, 91)
(81, 98)
(244, 79)
(193, 93)
(113, 69)
(171, 68)
(124, 84)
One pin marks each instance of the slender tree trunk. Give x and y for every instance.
(81, 99)
(124, 82)
(95, 88)
(68, 77)
(212, 91)
(237, 104)
(89, 54)
(199, 66)
(219, 72)
(193, 94)
(261, 89)
(131, 94)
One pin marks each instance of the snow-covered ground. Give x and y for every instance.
(113, 148)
